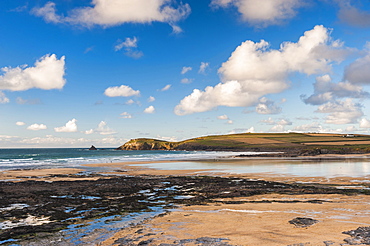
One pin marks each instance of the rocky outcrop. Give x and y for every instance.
(93, 148)
(147, 144)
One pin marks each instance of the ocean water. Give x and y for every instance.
(75, 157)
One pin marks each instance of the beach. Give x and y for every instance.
(146, 206)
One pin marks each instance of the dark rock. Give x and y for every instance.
(359, 236)
(303, 222)
(328, 243)
(93, 148)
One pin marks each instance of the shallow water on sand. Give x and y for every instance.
(305, 168)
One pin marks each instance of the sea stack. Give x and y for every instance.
(93, 148)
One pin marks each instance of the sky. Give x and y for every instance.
(101, 72)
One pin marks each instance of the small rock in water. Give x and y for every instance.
(93, 147)
(303, 222)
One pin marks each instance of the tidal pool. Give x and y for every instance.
(308, 168)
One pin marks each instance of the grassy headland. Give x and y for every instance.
(292, 144)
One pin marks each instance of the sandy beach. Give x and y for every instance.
(334, 205)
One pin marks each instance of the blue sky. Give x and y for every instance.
(76, 73)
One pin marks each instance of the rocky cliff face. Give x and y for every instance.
(147, 144)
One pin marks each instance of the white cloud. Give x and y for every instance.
(186, 81)
(284, 122)
(358, 72)
(70, 126)
(3, 98)
(277, 128)
(88, 132)
(47, 73)
(102, 129)
(203, 66)
(251, 130)
(364, 123)
(223, 117)
(230, 122)
(166, 88)
(266, 106)
(253, 70)
(279, 125)
(269, 121)
(116, 12)
(130, 45)
(149, 110)
(121, 91)
(262, 13)
(325, 90)
(37, 127)
(311, 127)
(341, 112)
(186, 69)
(126, 115)
(151, 99)
(20, 123)
(130, 102)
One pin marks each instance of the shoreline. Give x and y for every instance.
(253, 218)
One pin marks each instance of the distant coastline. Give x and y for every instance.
(282, 144)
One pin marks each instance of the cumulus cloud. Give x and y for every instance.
(166, 88)
(266, 106)
(341, 112)
(151, 99)
(126, 115)
(358, 72)
(186, 81)
(102, 129)
(254, 70)
(20, 123)
(203, 66)
(353, 15)
(186, 69)
(149, 110)
(223, 117)
(108, 13)
(121, 91)
(325, 90)
(279, 125)
(47, 73)
(88, 132)
(37, 127)
(364, 123)
(130, 45)
(130, 102)
(262, 13)
(311, 127)
(3, 98)
(70, 126)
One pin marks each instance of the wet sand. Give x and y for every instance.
(261, 220)
(237, 220)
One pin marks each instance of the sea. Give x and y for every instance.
(44, 158)
(209, 161)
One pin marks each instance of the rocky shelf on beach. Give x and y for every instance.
(33, 210)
